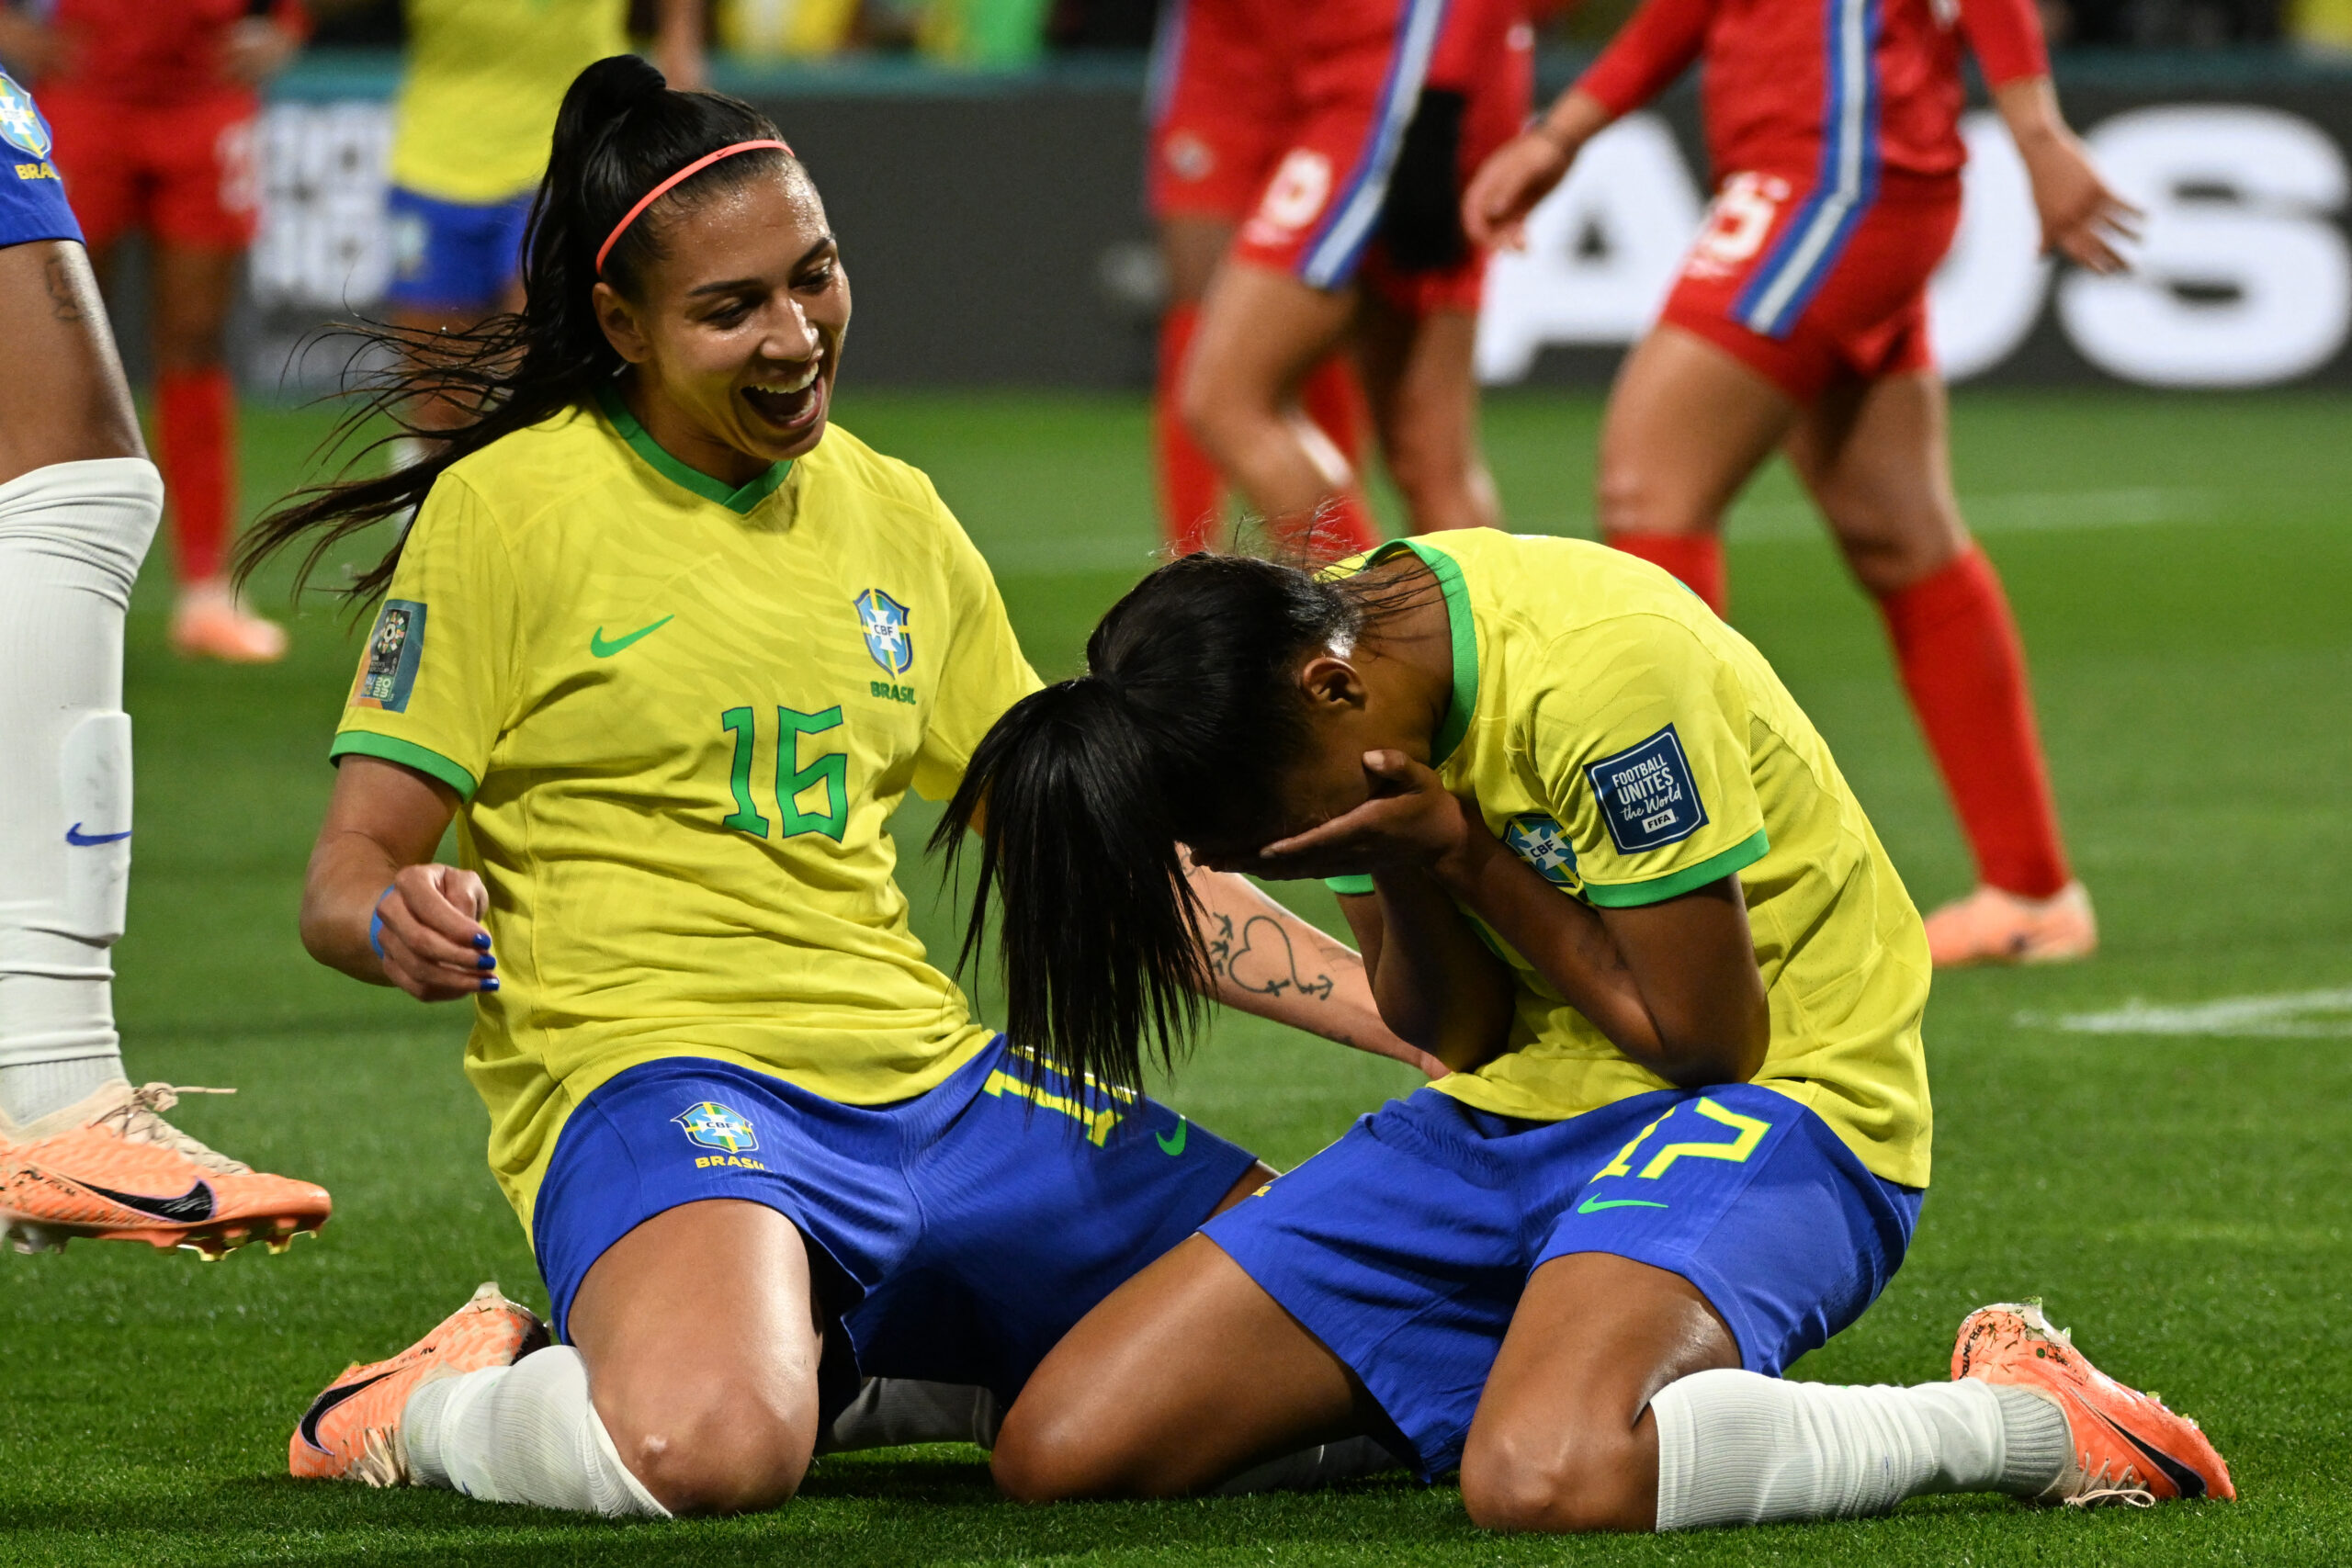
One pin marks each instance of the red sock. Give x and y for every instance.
(1965, 667)
(1191, 492)
(196, 417)
(1696, 559)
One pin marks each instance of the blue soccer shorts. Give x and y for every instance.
(454, 255)
(957, 1234)
(1405, 1245)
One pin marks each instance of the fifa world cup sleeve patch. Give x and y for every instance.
(394, 650)
(1647, 795)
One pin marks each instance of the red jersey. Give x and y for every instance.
(1822, 92)
(155, 54)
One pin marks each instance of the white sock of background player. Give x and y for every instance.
(72, 536)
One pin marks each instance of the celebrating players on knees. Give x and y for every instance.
(669, 647)
(1603, 866)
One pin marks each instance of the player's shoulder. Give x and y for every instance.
(861, 474)
(526, 472)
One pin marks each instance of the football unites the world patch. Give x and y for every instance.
(716, 1126)
(1648, 797)
(394, 649)
(1535, 836)
(884, 620)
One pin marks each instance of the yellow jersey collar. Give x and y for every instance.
(1464, 632)
(738, 501)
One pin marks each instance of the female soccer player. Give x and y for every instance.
(154, 104)
(1800, 323)
(1601, 865)
(670, 648)
(82, 1152)
(1336, 138)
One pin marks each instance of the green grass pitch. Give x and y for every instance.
(2183, 571)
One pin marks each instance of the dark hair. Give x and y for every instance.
(620, 133)
(1177, 734)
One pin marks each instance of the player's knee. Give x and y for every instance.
(1046, 1454)
(1562, 1481)
(714, 1449)
(1632, 497)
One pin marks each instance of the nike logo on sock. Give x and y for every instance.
(192, 1207)
(1594, 1205)
(74, 835)
(324, 1405)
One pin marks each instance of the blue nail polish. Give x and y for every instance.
(489, 982)
(486, 962)
(481, 939)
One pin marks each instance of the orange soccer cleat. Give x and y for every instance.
(109, 1166)
(212, 622)
(1990, 926)
(2122, 1446)
(351, 1431)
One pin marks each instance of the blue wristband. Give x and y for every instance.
(376, 925)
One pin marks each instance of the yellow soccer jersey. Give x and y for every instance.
(483, 80)
(1631, 747)
(679, 717)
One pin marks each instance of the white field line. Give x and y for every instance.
(1123, 549)
(2293, 1015)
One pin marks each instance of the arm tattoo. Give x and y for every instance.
(1264, 962)
(65, 304)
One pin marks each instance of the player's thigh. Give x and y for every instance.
(1191, 245)
(1418, 376)
(1875, 456)
(702, 1338)
(1563, 1439)
(1186, 1374)
(1686, 426)
(64, 398)
(1261, 330)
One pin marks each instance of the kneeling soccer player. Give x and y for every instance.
(670, 648)
(82, 1152)
(1601, 865)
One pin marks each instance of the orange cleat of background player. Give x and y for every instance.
(1800, 323)
(153, 103)
(1304, 168)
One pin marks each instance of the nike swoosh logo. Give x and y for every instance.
(1175, 1145)
(603, 650)
(74, 835)
(1594, 1205)
(324, 1405)
(192, 1207)
(2185, 1480)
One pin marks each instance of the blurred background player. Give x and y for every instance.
(82, 1152)
(477, 105)
(153, 103)
(1291, 149)
(1799, 322)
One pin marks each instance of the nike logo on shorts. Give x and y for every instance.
(1175, 1145)
(598, 646)
(1594, 1205)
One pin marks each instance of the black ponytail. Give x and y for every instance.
(1083, 791)
(620, 133)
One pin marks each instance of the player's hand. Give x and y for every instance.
(2082, 220)
(428, 923)
(1517, 176)
(256, 49)
(1410, 820)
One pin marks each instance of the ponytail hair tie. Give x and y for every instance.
(689, 172)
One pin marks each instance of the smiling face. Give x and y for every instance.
(736, 328)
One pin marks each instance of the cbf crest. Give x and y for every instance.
(714, 1126)
(20, 123)
(1537, 839)
(884, 620)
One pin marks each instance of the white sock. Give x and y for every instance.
(891, 1413)
(1310, 1470)
(1737, 1448)
(525, 1433)
(72, 536)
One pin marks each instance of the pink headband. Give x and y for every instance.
(658, 192)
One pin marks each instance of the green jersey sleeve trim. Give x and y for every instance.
(1448, 572)
(641, 441)
(1354, 886)
(1715, 868)
(408, 754)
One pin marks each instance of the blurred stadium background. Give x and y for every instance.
(2160, 463)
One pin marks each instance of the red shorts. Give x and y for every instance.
(1285, 120)
(184, 173)
(1806, 295)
